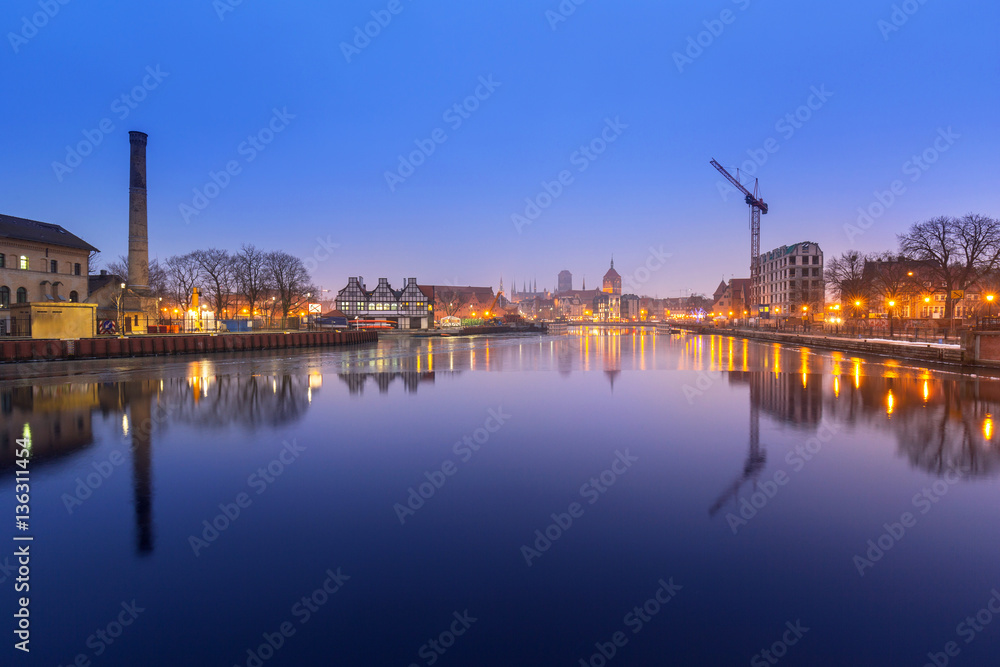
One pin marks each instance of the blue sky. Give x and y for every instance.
(889, 92)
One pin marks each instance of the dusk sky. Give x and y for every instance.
(881, 94)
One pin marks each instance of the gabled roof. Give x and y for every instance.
(23, 229)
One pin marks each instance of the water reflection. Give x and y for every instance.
(940, 420)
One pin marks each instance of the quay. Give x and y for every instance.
(972, 352)
(152, 345)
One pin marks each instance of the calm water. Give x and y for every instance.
(697, 500)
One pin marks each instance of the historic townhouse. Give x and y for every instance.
(409, 308)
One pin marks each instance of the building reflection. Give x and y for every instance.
(57, 419)
(411, 381)
(940, 420)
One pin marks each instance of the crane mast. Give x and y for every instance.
(757, 206)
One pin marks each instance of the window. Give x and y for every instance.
(816, 272)
(74, 296)
(24, 263)
(815, 259)
(53, 266)
(3, 260)
(76, 269)
(791, 260)
(4, 296)
(22, 295)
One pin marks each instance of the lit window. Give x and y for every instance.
(24, 262)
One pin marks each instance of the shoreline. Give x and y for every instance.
(935, 353)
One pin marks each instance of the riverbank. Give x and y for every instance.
(952, 354)
(143, 346)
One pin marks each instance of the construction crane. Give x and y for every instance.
(490, 312)
(757, 206)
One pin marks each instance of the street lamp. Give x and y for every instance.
(121, 311)
(892, 304)
(989, 304)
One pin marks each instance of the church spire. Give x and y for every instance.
(612, 260)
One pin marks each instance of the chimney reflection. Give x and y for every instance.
(138, 396)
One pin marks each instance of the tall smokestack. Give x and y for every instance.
(138, 241)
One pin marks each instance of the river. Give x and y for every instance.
(603, 497)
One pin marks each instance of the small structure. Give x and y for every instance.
(53, 320)
(119, 309)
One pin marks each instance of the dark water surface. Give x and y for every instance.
(697, 500)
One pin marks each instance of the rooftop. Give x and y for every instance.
(23, 229)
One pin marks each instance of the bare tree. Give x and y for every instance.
(157, 274)
(847, 279)
(183, 275)
(218, 272)
(290, 281)
(891, 278)
(450, 301)
(956, 251)
(250, 274)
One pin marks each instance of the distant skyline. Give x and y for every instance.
(464, 142)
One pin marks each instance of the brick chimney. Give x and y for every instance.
(138, 241)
